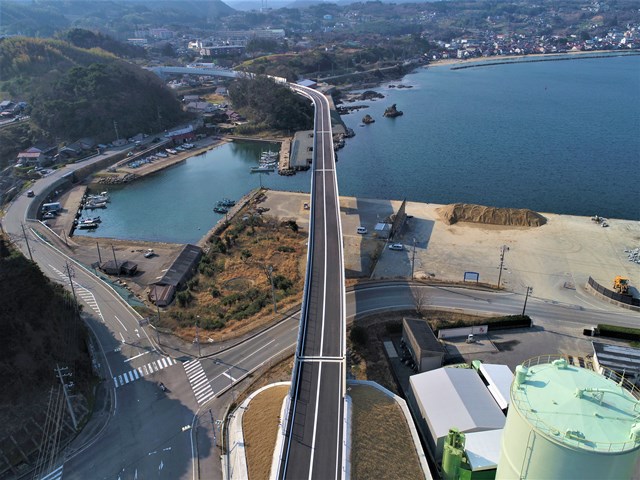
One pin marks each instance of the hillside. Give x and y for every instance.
(37, 328)
(75, 92)
(116, 18)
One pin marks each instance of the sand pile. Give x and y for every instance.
(462, 212)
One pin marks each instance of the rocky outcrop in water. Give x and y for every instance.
(392, 112)
(367, 119)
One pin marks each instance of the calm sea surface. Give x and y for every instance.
(561, 137)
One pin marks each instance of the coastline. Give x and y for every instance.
(457, 64)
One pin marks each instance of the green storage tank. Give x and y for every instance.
(566, 422)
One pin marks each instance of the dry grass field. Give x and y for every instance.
(260, 427)
(231, 292)
(382, 445)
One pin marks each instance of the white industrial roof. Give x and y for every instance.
(455, 397)
(483, 449)
(499, 378)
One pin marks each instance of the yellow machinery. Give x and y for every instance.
(621, 285)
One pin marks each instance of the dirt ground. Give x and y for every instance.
(555, 259)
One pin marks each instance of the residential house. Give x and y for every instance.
(32, 157)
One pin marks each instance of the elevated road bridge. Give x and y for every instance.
(313, 447)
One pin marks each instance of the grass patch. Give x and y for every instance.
(260, 427)
(382, 443)
(230, 294)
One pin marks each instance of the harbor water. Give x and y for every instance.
(561, 137)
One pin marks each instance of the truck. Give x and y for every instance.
(51, 207)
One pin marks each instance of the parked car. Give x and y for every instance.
(149, 253)
(361, 230)
(30, 193)
(396, 246)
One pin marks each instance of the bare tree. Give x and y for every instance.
(421, 299)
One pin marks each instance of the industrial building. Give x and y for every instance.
(623, 360)
(426, 351)
(452, 397)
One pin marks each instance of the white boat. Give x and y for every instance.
(91, 220)
(94, 205)
(270, 156)
(262, 169)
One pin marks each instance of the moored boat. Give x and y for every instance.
(220, 209)
(261, 168)
(87, 226)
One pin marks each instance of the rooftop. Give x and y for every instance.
(577, 407)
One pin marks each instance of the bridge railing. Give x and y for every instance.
(295, 375)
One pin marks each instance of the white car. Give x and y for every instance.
(149, 253)
(361, 230)
(396, 246)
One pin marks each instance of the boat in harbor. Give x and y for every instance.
(269, 156)
(226, 202)
(87, 226)
(263, 168)
(91, 220)
(97, 198)
(94, 205)
(221, 209)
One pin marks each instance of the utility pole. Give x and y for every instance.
(503, 249)
(99, 256)
(273, 291)
(197, 336)
(115, 260)
(158, 312)
(73, 290)
(26, 239)
(66, 394)
(413, 258)
(115, 126)
(524, 307)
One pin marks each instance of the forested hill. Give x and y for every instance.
(75, 92)
(87, 39)
(43, 18)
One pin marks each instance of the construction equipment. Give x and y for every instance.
(621, 285)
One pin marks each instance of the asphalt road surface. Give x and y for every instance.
(313, 444)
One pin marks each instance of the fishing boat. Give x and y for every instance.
(226, 202)
(87, 226)
(94, 205)
(220, 209)
(269, 155)
(91, 220)
(261, 169)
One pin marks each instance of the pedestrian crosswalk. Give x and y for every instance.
(54, 475)
(82, 292)
(148, 369)
(199, 381)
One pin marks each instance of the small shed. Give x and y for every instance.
(426, 350)
(161, 295)
(383, 230)
(498, 379)
(111, 267)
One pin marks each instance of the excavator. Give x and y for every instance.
(621, 285)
